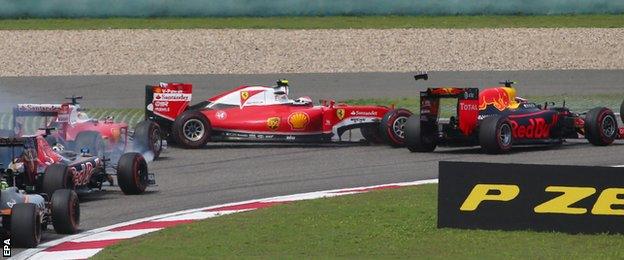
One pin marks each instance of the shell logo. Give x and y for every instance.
(298, 120)
(340, 113)
(273, 123)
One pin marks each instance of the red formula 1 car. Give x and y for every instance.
(75, 130)
(496, 119)
(265, 113)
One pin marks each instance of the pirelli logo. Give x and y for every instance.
(607, 203)
(575, 199)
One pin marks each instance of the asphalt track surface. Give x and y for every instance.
(230, 172)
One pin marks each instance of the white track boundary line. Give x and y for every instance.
(286, 198)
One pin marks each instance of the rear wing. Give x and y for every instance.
(467, 110)
(165, 101)
(13, 141)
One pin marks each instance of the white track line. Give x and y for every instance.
(105, 233)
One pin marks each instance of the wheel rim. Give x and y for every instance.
(193, 130)
(608, 126)
(398, 126)
(156, 142)
(141, 174)
(505, 135)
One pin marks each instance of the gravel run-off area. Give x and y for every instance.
(202, 51)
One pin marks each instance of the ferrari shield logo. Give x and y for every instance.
(273, 123)
(340, 113)
(244, 95)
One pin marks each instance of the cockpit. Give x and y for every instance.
(259, 96)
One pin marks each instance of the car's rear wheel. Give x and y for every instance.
(417, 138)
(495, 134)
(25, 225)
(148, 137)
(601, 126)
(622, 111)
(132, 173)
(371, 134)
(191, 130)
(56, 177)
(392, 126)
(91, 140)
(65, 211)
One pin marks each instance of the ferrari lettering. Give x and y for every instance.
(489, 192)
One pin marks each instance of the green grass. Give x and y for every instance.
(330, 22)
(397, 223)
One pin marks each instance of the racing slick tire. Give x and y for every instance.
(56, 177)
(495, 135)
(417, 140)
(371, 134)
(191, 130)
(601, 126)
(65, 211)
(132, 173)
(25, 225)
(148, 137)
(392, 126)
(92, 141)
(622, 111)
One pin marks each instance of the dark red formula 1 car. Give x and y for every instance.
(265, 113)
(496, 119)
(71, 128)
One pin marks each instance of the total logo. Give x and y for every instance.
(468, 107)
(364, 113)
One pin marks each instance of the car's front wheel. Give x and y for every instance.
(65, 211)
(392, 126)
(132, 173)
(601, 126)
(25, 225)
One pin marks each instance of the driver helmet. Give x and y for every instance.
(82, 117)
(281, 90)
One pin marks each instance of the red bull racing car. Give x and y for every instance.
(265, 113)
(74, 129)
(496, 119)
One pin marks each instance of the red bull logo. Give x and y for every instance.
(537, 128)
(501, 98)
